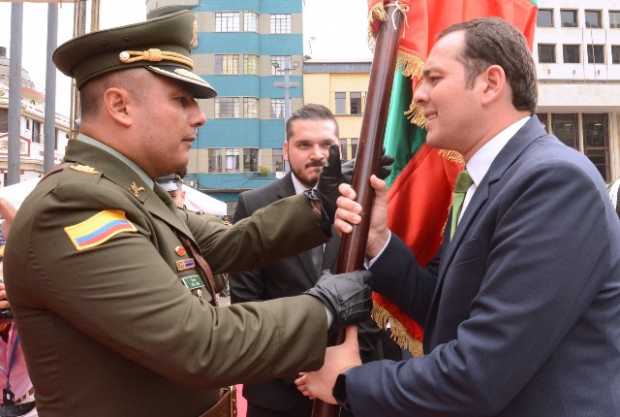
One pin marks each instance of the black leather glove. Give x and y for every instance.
(384, 171)
(346, 295)
(331, 177)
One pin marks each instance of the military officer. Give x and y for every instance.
(107, 278)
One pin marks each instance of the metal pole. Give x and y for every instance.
(287, 94)
(15, 96)
(50, 88)
(79, 28)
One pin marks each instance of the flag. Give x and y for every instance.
(422, 177)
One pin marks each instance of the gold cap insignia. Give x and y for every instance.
(135, 189)
(84, 168)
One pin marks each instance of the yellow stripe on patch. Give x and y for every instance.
(98, 229)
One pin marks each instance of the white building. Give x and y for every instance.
(577, 51)
(31, 126)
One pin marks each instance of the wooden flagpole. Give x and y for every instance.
(353, 245)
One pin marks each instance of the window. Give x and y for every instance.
(596, 54)
(341, 98)
(4, 120)
(250, 107)
(280, 23)
(595, 141)
(356, 103)
(224, 159)
(227, 22)
(227, 64)
(546, 53)
(250, 160)
(593, 19)
(614, 19)
(227, 107)
(564, 126)
(343, 149)
(545, 18)
(277, 108)
(568, 18)
(572, 54)
(250, 64)
(277, 162)
(36, 131)
(249, 21)
(280, 63)
(615, 54)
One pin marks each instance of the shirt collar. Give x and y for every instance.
(299, 187)
(479, 164)
(131, 164)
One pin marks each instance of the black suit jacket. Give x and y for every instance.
(522, 315)
(285, 278)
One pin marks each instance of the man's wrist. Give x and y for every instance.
(379, 242)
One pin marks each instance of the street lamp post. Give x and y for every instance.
(286, 85)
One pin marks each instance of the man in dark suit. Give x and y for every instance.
(522, 308)
(310, 132)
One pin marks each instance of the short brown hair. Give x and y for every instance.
(493, 41)
(310, 112)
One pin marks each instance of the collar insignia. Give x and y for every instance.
(135, 190)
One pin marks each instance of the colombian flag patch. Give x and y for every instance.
(98, 229)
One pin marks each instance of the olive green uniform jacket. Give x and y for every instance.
(111, 330)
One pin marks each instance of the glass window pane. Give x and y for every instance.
(572, 54)
(277, 108)
(227, 22)
(593, 19)
(354, 143)
(544, 18)
(546, 53)
(250, 64)
(356, 102)
(564, 126)
(277, 162)
(596, 54)
(250, 107)
(280, 23)
(340, 102)
(600, 159)
(614, 19)
(250, 160)
(615, 54)
(595, 131)
(249, 21)
(344, 155)
(568, 18)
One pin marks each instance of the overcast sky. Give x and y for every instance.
(333, 29)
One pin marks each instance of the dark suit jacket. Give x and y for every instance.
(522, 314)
(285, 278)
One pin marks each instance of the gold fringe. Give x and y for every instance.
(398, 332)
(410, 64)
(453, 156)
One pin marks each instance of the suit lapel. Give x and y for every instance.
(531, 131)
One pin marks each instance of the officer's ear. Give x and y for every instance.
(116, 104)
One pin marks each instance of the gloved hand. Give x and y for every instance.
(346, 296)
(330, 178)
(384, 171)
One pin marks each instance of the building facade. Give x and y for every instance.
(341, 86)
(31, 126)
(577, 53)
(246, 49)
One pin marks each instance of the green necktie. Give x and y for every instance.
(463, 182)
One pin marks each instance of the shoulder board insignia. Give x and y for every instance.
(98, 229)
(135, 190)
(84, 168)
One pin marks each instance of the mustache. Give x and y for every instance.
(319, 164)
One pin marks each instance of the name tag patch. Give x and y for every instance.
(192, 282)
(185, 264)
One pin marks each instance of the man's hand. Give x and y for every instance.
(384, 170)
(7, 212)
(349, 213)
(338, 359)
(330, 178)
(346, 296)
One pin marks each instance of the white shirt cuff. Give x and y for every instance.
(370, 262)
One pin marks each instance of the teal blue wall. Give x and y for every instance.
(249, 43)
(261, 6)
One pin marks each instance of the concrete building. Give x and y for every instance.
(245, 49)
(577, 51)
(31, 126)
(342, 87)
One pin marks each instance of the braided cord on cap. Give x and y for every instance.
(155, 55)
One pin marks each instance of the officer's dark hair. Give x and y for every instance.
(310, 112)
(493, 41)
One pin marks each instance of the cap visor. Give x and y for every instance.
(199, 87)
